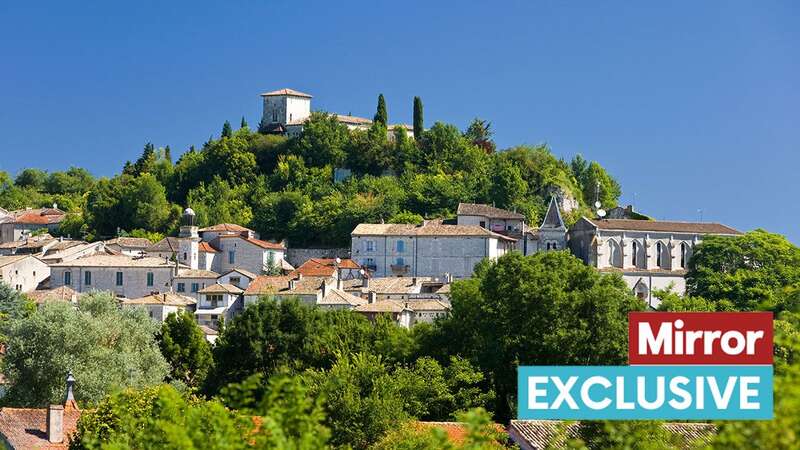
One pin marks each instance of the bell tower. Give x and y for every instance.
(189, 240)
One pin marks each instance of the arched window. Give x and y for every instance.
(684, 255)
(614, 254)
(659, 254)
(635, 254)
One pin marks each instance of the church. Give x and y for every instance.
(287, 110)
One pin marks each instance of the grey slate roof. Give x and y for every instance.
(479, 209)
(552, 219)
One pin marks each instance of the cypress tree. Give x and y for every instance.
(418, 120)
(227, 130)
(381, 116)
(168, 153)
(243, 124)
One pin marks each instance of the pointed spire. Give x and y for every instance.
(553, 217)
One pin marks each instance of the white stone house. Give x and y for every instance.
(23, 272)
(251, 254)
(429, 250)
(122, 275)
(494, 219)
(388, 288)
(648, 254)
(159, 306)
(238, 277)
(20, 224)
(218, 301)
(190, 282)
(286, 111)
(399, 312)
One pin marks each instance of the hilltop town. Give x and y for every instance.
(354, 222)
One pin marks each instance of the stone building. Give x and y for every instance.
(648, 254)
(159, 306)
(130, 246)
(285, 111)
(218, 301)
(429, 250)
(20, 224)
(551, 234)
(119, 274)
(23, 272)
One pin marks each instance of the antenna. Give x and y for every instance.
(700, 212)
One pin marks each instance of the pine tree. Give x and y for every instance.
(381, 116)
(243, 124)
(227, 130)
(168, 154)
(147, 161)
(418, 120)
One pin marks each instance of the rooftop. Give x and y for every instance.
(257, 242)
(337, 297)
(285, 91)
(26, 428)
(39, 216)
(324, 267)
(197, 273)
(116, 261)
(221, 289)
(130, 242)
(479, 209)
(225, 227)
(663, 226)
(167, 245)
(388, 285)
(62, 293)
(432, 229)
(167, 299)
(6, 260)
(246, 273)
(383, 306)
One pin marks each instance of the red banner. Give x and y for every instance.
(699, 338)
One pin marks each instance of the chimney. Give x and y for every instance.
(365, 281)
(292, 284)
(55, 424)
(372, 297)
(324, 289)
(413, 281)
(339, 284)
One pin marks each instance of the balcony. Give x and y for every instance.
(400, 269)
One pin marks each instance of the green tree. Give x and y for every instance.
(107, 348)
(407, 217)
(322, 142)
(748, 270)
(479, 133)
(545, 309)
(645, 435)
(381, 115)
(227, 130)
(13, 306)
(243, 123)
(218, 202)
(185, 348)
(146, 163)
(508, 188)
(481, 434)
(419, 121)
(32, 178)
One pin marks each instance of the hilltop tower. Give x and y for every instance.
(282, 107)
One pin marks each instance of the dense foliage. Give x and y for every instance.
(106, 348)
(285, 188)
(185, 348)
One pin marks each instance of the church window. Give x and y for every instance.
(684, 255)
(659, 252)
(635, 254)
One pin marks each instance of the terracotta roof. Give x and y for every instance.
(221, 289)
(479, 209)
(225, 227)
(428, 305)
(246, 273)
(197, 273)
(206, 247)
(383, 306)
(337, 297)
(62, 293)
(166, 298)
(115, 261)
(26, 428)
(324, 267)
(663, 226)
(285, 91)
(257, 242)
(40, 216)
(388, 285)
(538, 434)
(168, 244)
(380, 229)
(267, 284)
(456, 431)
(33, 242)
(130, 242)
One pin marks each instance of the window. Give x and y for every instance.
(181, 287)
(274, 116)
(231, 257)
(67, 278)
(400, 262)
(635, 254)
(119, 279)
(370, 262)
(659, 251)
(370, 246)
(236, 280)
(401, 246)
(290, 117)
(87, 278)
(195, 287)
(684, 255)
(149, 279)
(184, 256)
(482, 223)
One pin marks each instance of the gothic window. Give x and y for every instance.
(684, 255)
(635, 254)
(614, 254)
(659, 251)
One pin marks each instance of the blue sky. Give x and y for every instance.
(691, 105)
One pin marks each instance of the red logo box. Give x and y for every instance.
(699, 338)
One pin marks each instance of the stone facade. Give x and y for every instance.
(119, 274)
(23, 272)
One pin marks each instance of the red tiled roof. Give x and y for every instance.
(266, 284)
(324, 267)
(206, 247)
(225, 227)
(456, 431)
(27, 427)
(45, 216)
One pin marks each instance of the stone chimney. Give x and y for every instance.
(292, 284)
(324, 289)
(339, 284)
(55, 424)
(413, 281)
(365, 282)
(372, 297)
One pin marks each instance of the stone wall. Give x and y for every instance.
(297, 256)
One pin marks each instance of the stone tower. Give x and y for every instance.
(284, 106)
(189, 240)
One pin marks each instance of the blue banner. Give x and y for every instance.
(645, 392)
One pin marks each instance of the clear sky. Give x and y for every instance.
(690, 105)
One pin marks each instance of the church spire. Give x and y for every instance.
(553, 217)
